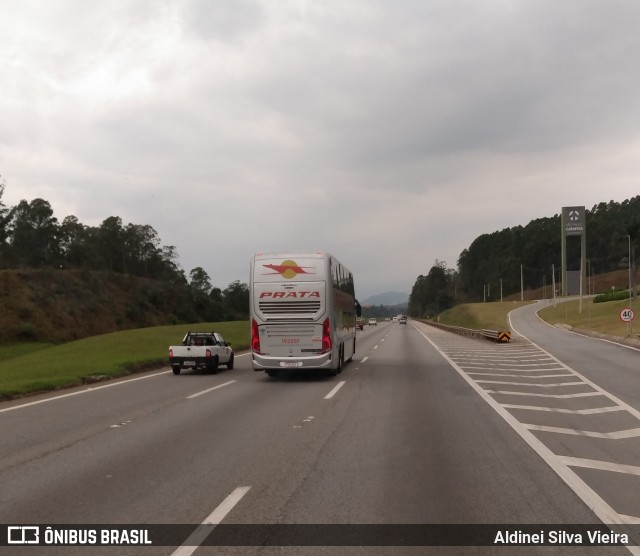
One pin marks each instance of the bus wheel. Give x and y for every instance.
(272, 373)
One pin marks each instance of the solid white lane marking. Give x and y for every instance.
(94, 388)
(576, 383)
(85, 391)
(578, 395)
(202, 532)
(210, 390)
(517, 376)
(509, 370)
(616, 435)
(601, 465)
(335, 390)
(593, 411)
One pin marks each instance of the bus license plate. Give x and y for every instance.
(290, 364)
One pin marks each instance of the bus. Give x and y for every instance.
(303, 313)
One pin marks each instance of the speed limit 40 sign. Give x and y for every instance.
(627, 314)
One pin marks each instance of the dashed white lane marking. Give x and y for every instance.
(210, 389)
(375, 347)
(364, 359)
(214, 518)
(335, 390)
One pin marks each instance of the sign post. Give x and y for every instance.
(573, 221)
(627, 315)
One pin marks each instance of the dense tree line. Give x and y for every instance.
(433, 293)
(32, 237)
(494, 261)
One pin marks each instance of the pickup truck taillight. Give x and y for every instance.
(255, 337)
(207, 353)
(170, 354)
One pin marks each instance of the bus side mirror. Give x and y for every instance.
(358, 309)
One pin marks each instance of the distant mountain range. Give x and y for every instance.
(387, 298)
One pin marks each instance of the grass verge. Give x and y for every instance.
(116, 354)
(596, 317)
(492, 316)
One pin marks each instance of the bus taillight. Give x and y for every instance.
(255, 337)
(326, 336)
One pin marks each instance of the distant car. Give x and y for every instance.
(395, 319)
(402, 320)
(359, 324)
(373, 321)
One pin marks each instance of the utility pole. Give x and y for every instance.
(629, 325)
(521, 285)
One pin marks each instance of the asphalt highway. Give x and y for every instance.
(422, 427)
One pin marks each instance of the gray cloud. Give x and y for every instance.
(391, 134)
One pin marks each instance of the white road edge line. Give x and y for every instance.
(86, 390)
(593, 501)
(202, 532)
(578, 333)
(210, 389)
(335, 390)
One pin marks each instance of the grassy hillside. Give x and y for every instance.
(36, 367)
(62, 305)
(480, 315)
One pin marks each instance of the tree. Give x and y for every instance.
(236, 297)
(199, 280)
(433, 293)
(34, 232)
(111, 244)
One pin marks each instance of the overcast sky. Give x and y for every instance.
(390, 134)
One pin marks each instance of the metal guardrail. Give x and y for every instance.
(496, 335)
(502, 336)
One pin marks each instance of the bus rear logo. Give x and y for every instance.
(287, 269)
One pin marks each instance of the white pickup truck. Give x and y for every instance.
(201, 350)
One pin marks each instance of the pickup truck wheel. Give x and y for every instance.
(230, 363)
(176, 369)
(213, 366)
